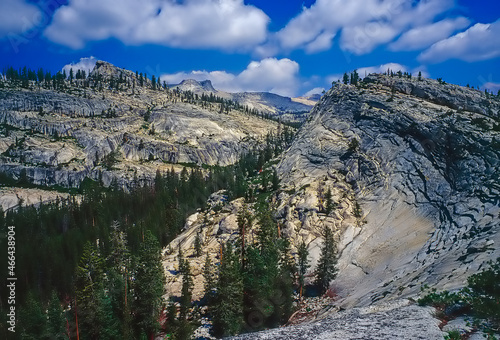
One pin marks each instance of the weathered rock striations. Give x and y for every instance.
(426, 175)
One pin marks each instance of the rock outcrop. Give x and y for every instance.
(425, 174)
(391, 321)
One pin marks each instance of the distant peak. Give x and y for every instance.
(192, 84)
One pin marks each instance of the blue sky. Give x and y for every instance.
(284, 46)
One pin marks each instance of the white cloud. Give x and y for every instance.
(85, 64)
(424, 36)
(365, 38)
(480, 42)
(273, 75)
(225, 24)
(316, 90)
(322, 42)
(362, 24)
(395, 67)
(17, 17)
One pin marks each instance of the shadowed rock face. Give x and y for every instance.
(426, 175)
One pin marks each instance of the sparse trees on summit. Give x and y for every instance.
(345, 79)
(352, 78)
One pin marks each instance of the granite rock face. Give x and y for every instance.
(396, 320)
(90, 130)
(425, 175)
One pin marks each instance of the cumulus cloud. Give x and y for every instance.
(480, 42)
(273, 75)
(424, 36)
(225, 24)
(362, 24)
(18, 16)
(85, 64)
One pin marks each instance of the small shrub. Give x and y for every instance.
(481, 297)
(353, 145)
(453, 335)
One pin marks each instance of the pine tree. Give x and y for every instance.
(284, 284)
(119, 263)
(56, 322)
(89, 280)
(262, 275)
(330, 204)
(184, 326)
(149, 286)
(32, 319)
(198, 244)
(209, 280)
(345, 79)
(326, 271)
(275, 180)
(354, 77)
(227, 310)
(303, 265)
(245, 220)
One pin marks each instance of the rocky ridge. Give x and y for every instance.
(92, 130)
(288, 109)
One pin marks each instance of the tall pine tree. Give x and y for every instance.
(227, 310)
(303, 265)
(89, 286)
(326, 271)
(148, 287)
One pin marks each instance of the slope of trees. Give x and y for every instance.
(256, 282)
(93, 250)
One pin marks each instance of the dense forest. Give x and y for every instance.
(97, 253)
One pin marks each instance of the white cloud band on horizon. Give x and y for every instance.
(224, 24)
(279, 76)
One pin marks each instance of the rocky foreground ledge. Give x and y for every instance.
(394, 320)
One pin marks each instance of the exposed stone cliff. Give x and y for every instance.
(425, 173)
